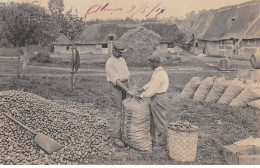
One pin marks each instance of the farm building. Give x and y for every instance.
(218, 32)
(98, 38)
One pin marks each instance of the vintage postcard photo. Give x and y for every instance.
(130, 82)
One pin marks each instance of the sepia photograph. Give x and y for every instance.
(129, 82)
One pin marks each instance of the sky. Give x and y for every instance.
(137, 9)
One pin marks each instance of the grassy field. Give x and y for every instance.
(219, 125)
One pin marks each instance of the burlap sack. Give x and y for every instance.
(255, 104)
(204, 88)
(190, 88)
(235, 88)
(217, 90)
(247, 95)
(135, 125)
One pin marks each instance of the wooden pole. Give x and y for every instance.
(19, 68)
(245, 32)
(25, 56)
(72, 68)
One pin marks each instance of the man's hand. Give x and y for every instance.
(131, 93)
(123, 80)
(137, 96)
(140, 90)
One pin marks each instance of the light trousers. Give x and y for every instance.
(116, 96)
(159, 130)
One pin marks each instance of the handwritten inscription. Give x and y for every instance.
(146, 9)
(101, 8)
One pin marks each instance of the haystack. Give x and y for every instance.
(141, 42)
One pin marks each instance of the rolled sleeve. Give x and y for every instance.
(145, 87)
(151, 89)
(159, 83)
(149, 93)
(111, 74)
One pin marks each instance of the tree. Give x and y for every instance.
(23, 23)
(191, 16)
(202, 12)
(168, 32)
(72, 27)
(56, 7)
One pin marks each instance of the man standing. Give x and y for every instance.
(118, 80)
(156, 90)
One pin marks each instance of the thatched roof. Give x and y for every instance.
(98, 33)
(228, 22)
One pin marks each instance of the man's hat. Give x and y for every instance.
(154, 57)
(119, 45)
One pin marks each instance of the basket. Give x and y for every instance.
(183, 145)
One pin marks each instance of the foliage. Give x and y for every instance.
(72, 25)
(113, 29)
(4, 42)
(191, 16)
(186, 23)
(23, 23)
(168, 32)
(56, 7)
(41, 58)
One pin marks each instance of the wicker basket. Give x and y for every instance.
(183, 145)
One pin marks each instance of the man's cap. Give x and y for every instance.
(119, 45)
(154, 57)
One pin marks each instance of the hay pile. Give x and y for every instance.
(142, 42)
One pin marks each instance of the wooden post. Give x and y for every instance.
(72, 68)
(19, 65)
(20, 53)
(25, 56)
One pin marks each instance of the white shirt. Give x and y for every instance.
(116, 68)
(159, 83)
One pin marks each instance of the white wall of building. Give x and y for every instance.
(83, 49)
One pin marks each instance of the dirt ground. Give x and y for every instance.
(219, 125)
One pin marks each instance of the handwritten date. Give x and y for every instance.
(146, 9)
